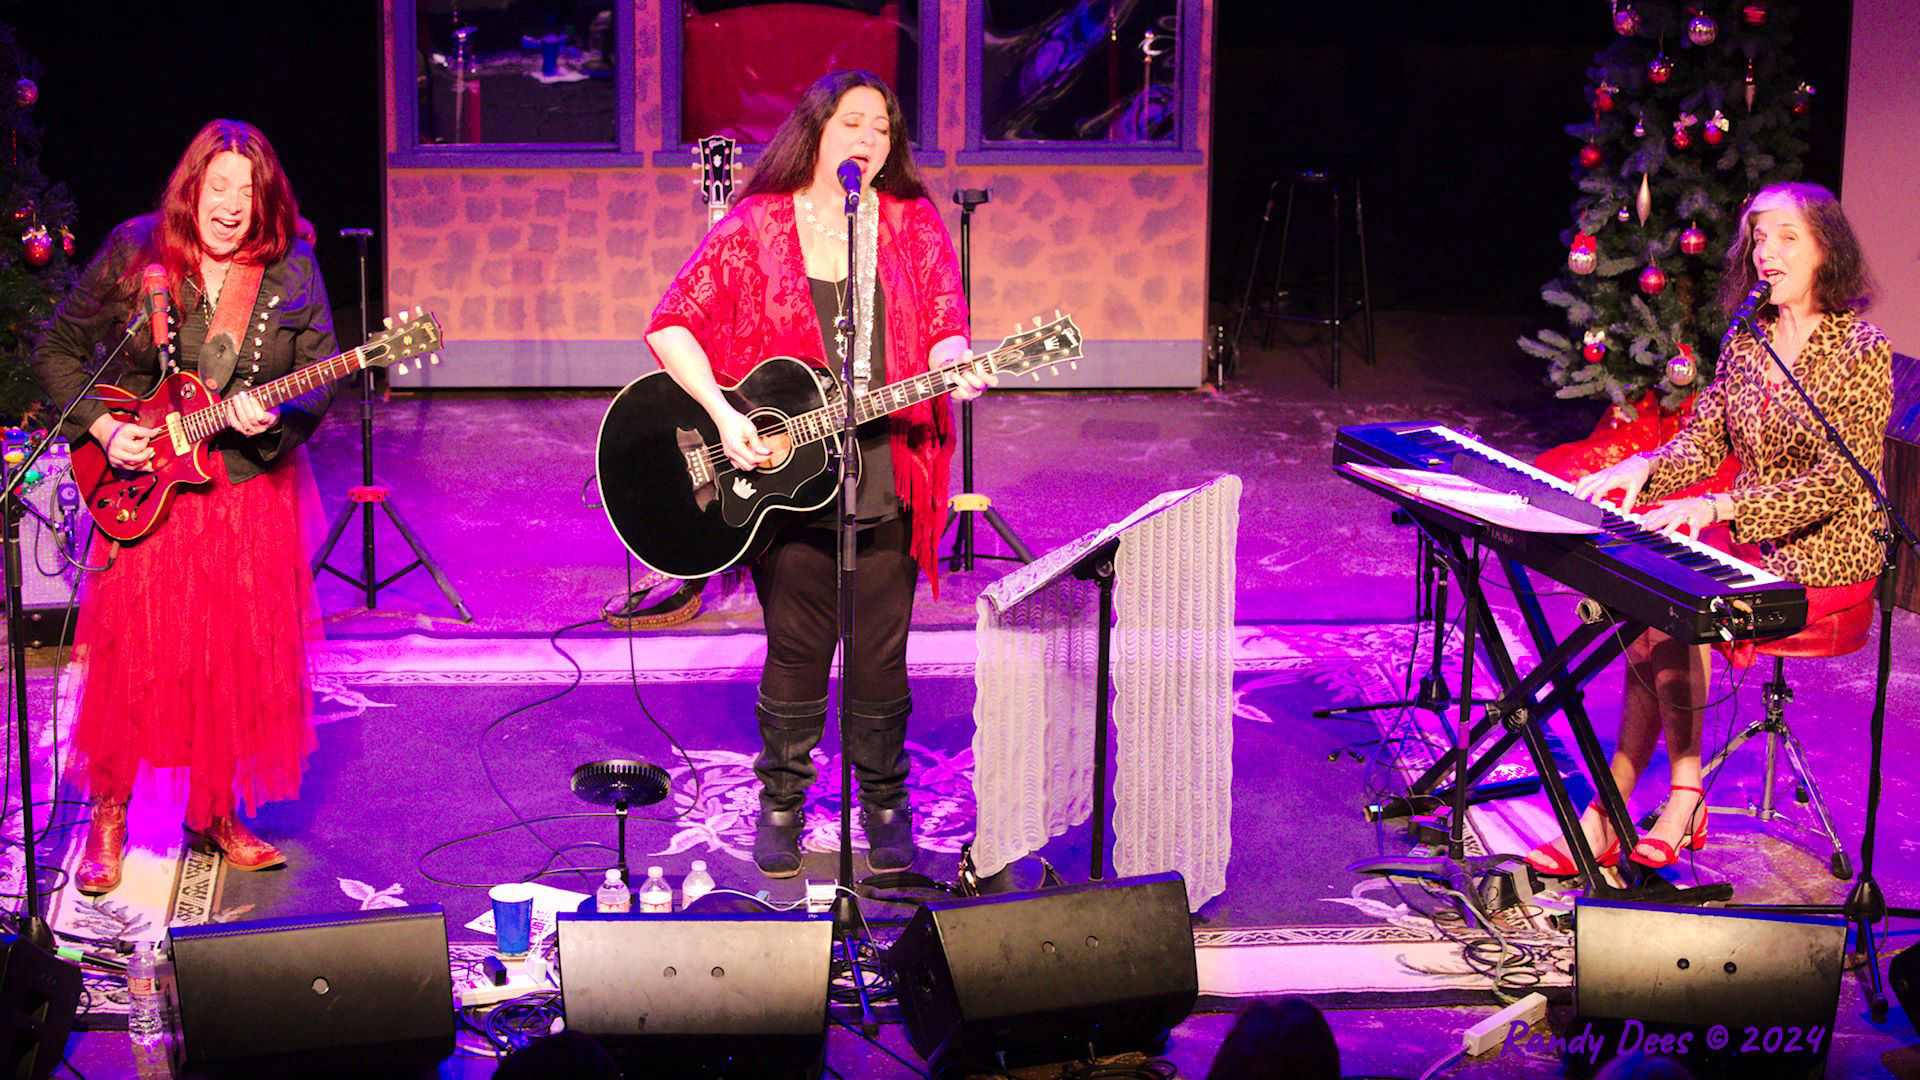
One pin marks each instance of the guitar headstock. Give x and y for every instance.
(715, 154)
(407, 335)
(1048, 344)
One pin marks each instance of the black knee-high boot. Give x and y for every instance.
(879, 750)
(789, 730)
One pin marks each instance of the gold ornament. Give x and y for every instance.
(1643, 202)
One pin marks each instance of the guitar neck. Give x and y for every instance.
(891, 398)
(206, 423)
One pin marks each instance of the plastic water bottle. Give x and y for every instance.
(147, 1014)
(698, 884)
(612, 898)
(656, 896)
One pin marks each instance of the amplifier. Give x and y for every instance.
(54, 533)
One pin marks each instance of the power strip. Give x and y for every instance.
(1492, 1032)
(523, 977)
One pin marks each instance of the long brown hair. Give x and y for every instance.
(1841, 282)
(787, 164)
(276, 215)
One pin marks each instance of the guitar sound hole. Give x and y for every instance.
(782, 447)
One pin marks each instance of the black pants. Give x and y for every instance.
(798, 584)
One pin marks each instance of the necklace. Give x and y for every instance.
(213, 282)
(812, 214)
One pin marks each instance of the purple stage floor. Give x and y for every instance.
(497, 486)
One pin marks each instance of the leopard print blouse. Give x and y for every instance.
(1795, 497)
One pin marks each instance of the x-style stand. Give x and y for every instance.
(1526, 701)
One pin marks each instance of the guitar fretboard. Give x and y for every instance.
(824, 422)
(204, 424)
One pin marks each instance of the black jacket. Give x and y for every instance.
(291, 322)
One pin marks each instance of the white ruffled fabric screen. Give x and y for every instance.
(1173, 695)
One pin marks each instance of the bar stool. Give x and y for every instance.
(1838, 634)
(1313, 301)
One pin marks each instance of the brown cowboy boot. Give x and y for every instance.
(99, 869)
(243, 850)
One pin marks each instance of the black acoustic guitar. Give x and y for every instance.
(684, 510)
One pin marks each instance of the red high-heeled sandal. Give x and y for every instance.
(1553, 862)
(1692, 840)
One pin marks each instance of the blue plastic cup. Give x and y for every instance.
(512, 918)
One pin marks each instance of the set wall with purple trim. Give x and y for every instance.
(543, 264)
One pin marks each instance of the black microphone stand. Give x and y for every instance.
(968, 502)
(1865, 904)
(847, 919)
(362, 499)
(33, 924)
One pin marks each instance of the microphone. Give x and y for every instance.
(153, 284)
(850, 176)
(1756, 299)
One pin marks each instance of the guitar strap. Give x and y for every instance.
(227, 330)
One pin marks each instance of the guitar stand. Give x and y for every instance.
(363, 498)
(969, 503)
(1526, 702)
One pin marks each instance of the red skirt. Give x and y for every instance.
(196, 647)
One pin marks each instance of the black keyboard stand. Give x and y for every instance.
(1526, 702)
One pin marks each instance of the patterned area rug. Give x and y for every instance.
(400, 775)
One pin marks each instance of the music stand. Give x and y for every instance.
(367, 495)
(969, 502)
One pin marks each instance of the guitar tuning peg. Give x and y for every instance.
(1036, 376)
(387, 322)
(418, 310)
(400, 369)
(433, 358)
(1056, 313)
(1073, 365)
(405, 314)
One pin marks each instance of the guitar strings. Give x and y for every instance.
(716, 455)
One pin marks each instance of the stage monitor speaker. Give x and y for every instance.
(700, 995)
(54, 533)
(340, 994)
(1903, 977)
(1746, 993)
(1023, 978)
(38, 996)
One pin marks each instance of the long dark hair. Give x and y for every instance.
(1841, 282)
(787, 164)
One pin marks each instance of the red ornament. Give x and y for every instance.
(1603, 96)
(1716, 128)
(1802, 99)
(1693, 241)
(1660, 69)
(1755, 14)
(1590, 156)
(23, 213)
(1702, 30)
(66, 240)
(26, 92)
(1653, 280)
(1593, 346)
(1626, 21)
(1584, 255)
(1681, 140)
(39, 246)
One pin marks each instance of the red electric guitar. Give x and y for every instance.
(130, 503)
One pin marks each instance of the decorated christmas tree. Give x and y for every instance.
(1694, 106)
(35, 271)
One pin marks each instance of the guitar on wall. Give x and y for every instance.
(128, 504)
(683, 508)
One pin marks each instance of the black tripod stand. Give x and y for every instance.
(1865, 904)
(968, 502)
(364, 498)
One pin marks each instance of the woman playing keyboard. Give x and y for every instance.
(1796, 507)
